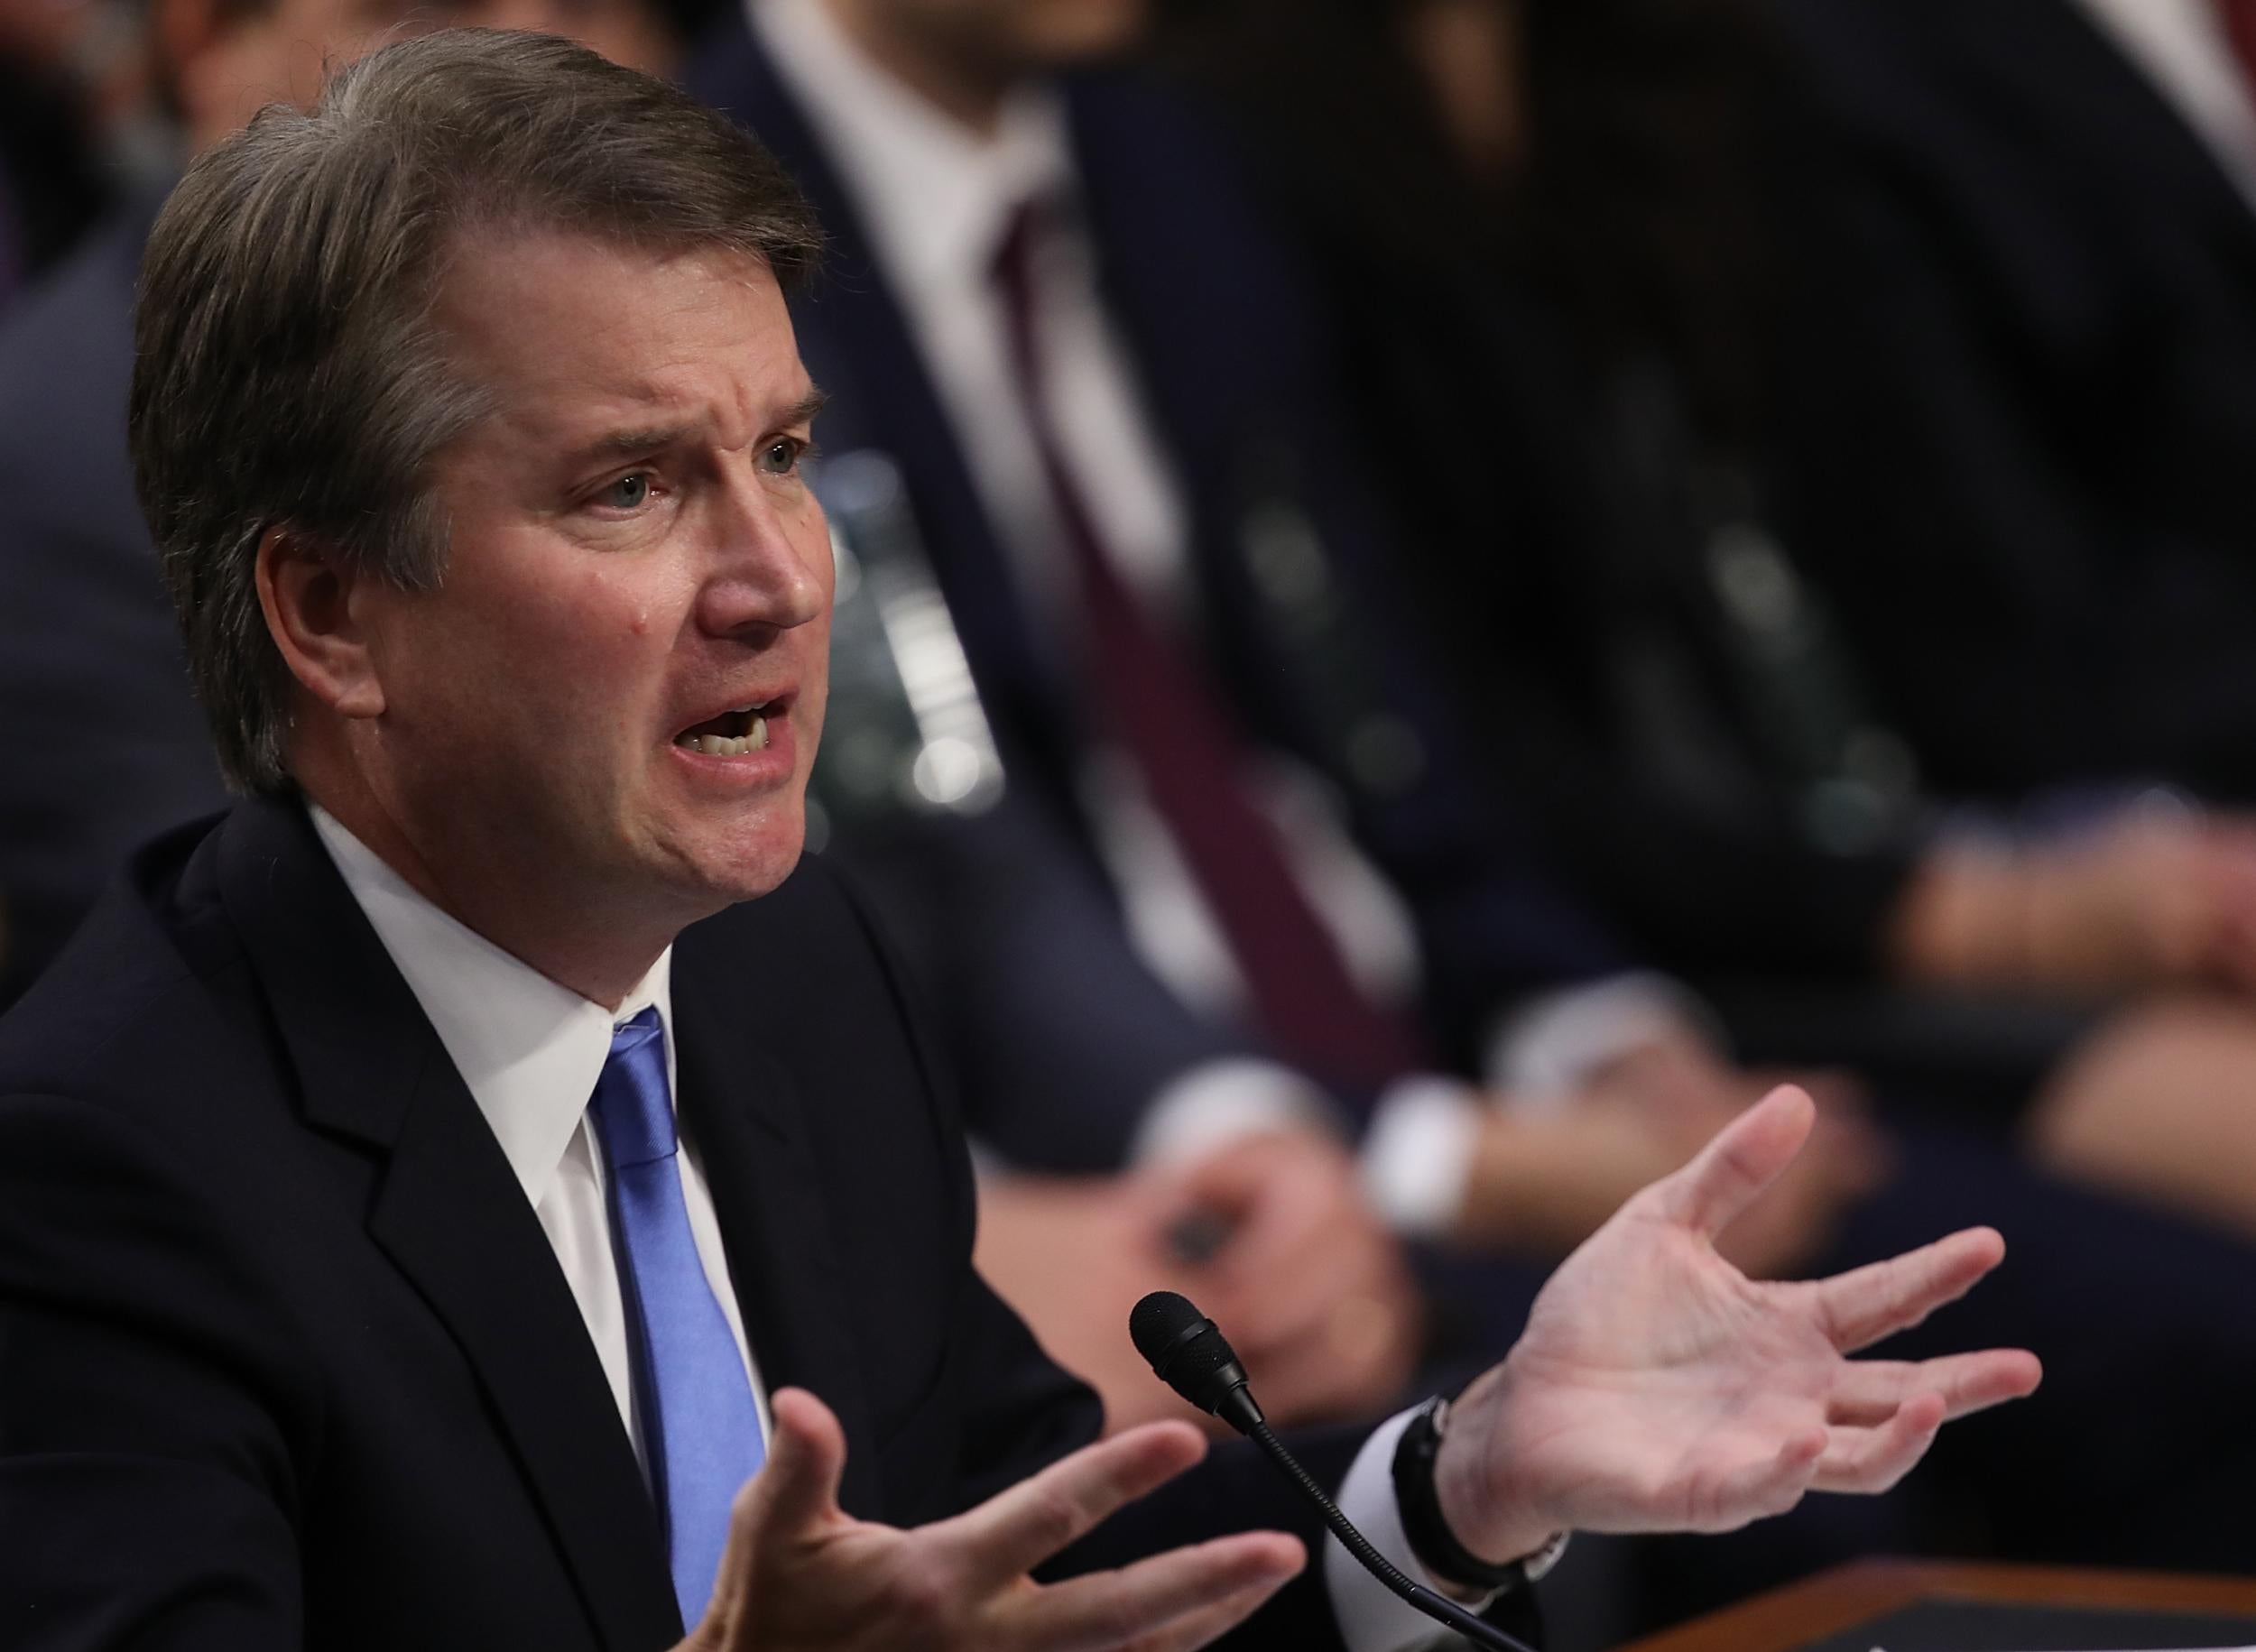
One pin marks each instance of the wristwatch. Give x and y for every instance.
(1430, 1538)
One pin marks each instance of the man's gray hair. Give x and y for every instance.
(288, 374)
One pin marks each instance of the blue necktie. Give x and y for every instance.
(700, 1426)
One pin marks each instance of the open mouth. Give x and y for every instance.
(733, 734)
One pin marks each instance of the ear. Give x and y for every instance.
(312, 600)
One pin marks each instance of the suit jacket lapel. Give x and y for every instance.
(743, 1113)
(449, 1212)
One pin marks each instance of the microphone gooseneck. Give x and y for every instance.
(1189, 1353)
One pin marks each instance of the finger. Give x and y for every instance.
(1765, 1487)
(1858, 1308)
(1108, 1611)
(1198, 1627)
(795, 1490)
(1016, 1529)
(1746, 1157)
(1869, 1391)
(1873, 1460)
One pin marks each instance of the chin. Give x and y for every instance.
(749, 870)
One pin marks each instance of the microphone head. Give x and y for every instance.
(1159, 1320)
(1189, 1353)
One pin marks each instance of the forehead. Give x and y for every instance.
(554, 328)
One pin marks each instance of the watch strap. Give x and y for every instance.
(1430, 1538)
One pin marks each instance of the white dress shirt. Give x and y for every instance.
(529, 1052)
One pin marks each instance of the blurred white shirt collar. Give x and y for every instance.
(936, 194)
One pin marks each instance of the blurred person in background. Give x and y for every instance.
(2023, 390)
(1123, 439)
(2019, 403)
(1573, 246)
(86, 639)
(52, 186)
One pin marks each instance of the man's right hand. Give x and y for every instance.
(803, 1575)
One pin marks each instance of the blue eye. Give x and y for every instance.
(629, 493)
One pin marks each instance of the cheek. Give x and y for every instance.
(571, 663)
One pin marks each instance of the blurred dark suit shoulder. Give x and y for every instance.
(2022, 394)
(105, 741)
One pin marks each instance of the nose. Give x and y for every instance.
(771, 562)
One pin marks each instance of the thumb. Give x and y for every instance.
(797, 1486)
(792, 1493)
(1746, 1157)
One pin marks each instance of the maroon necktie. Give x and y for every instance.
(1155, 704)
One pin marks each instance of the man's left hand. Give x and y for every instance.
(1657, 1387)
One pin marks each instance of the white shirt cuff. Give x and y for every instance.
(1217, 1102)
(1542, 1052)
(1417, 1154)
(1373, 1618)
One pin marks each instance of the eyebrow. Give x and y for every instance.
(631, 443)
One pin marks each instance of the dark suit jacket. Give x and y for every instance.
(2025, 394)
(1234, 371)
(1059, 1034)
(104, 743)
(286, 1360)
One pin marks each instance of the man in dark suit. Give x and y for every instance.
(336, 1310)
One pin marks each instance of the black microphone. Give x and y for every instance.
(1189, 1353)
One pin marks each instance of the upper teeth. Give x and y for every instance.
(723, 745)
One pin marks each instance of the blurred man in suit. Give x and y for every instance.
(360, 1284)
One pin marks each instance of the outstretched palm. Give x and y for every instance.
(1657, 1387)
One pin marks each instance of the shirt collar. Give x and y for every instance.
(934, 195)
(529, 1050)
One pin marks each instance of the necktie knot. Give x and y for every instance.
(634, 1113)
